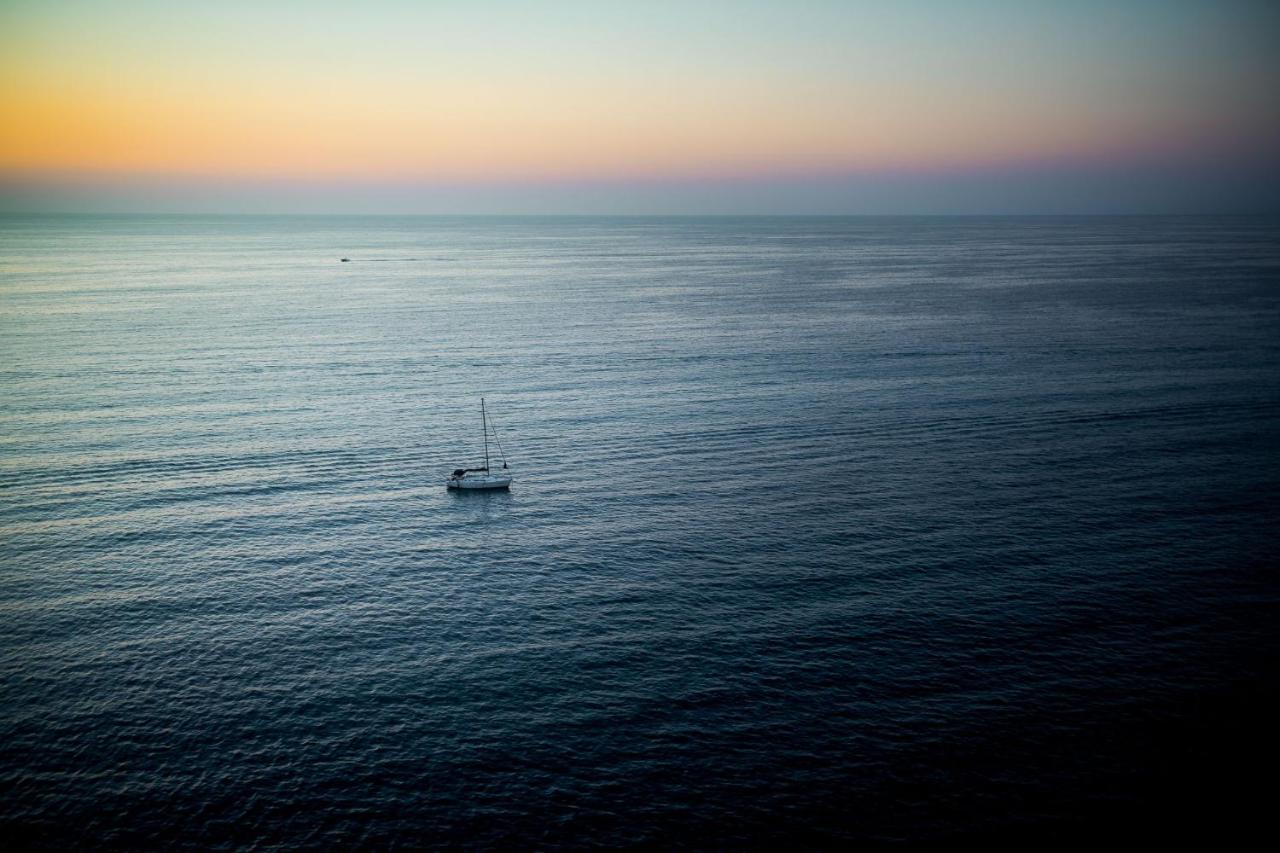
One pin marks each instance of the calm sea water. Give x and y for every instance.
(822, 529)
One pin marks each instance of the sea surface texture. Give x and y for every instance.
(821, 530)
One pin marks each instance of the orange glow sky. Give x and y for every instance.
(419, 92)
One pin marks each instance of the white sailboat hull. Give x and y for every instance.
(485, 481)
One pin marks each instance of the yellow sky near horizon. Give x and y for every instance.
(239, 95)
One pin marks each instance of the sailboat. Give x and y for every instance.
(482, 478)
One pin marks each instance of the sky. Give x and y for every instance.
(916, 106)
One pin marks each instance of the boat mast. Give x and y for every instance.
(484, 426)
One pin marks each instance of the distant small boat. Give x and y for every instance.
(345, 260)
(482, 478)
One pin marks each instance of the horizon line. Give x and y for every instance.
(585, 215)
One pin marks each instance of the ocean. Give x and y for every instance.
(823, 530)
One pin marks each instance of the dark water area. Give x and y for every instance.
(823, 530)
